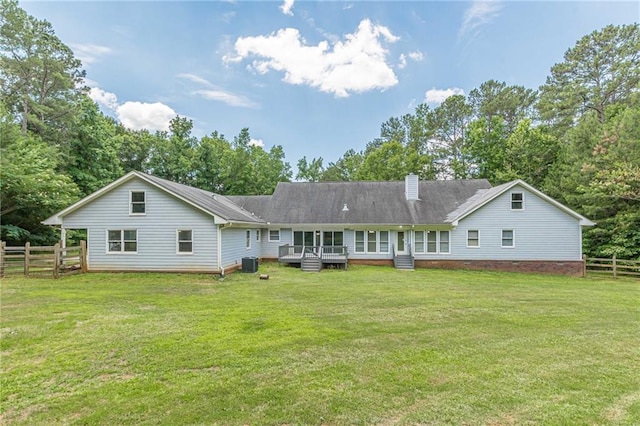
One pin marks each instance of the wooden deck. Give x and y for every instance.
(327, 255)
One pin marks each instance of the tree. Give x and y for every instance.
(31, 188)
(39, 77)
(172, 156)
(603, 68)
(391, 161)
(449, 123)
(495, 99)
(310, 171)
(345, 168)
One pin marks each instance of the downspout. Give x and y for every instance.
(220, 228)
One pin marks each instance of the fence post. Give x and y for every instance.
(83, 256)
(27, 248)
(584, 265)
(56, 260)
(2, 246)
(615, 267)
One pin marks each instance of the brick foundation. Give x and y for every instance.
(372, 262)
(571, 268)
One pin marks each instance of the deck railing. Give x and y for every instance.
(326, 253)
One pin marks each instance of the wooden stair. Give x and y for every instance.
(404, 261)
(311, 263)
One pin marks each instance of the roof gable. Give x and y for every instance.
(217, 206)
(485, 197)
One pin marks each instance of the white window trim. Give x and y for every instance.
(271, 240)
(513, 239)
(471, 230)
(121, 252)
(258, 235)
(248, 239)
(131, 213)
(448, 241)
(366, 242)
(424, 242)
(511, 201)
(438, 234)
(183, 253)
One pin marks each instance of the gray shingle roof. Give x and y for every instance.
(213, 203)
(367, 202)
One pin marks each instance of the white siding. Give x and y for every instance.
(234, 246)
(156, 231)
(270, 249)
(542, 232)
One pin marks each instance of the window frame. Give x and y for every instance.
(122, 241)
(513, 238)
(521, 201)
(178, 241)
(416, 242)
(273, 240)
(258, 235)
(448, 242)
(477, 231)
(387, 242)
(143, 203)
(248, 239)
(363, 241)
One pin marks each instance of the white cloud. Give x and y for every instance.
(478, 14)
(89, 53)
(226, 97)
(141, 115)
(437, 96)
(195, 78)
(216, 94)
(256, 142)
(101, 97)
(286, 7)
(357, 64)
(415, 56)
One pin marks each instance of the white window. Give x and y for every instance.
(432, 241)
(437, 242)
(184, 241)
(359, 241)
(517, 201)
(419, 242)
(122, 241)
(257, 235)
(274, 235)
(137, 203)
(367, 241)
(508, 238)
(384, 241)
(473, 238)
(371, 242)
(444, 241)
(248, 239)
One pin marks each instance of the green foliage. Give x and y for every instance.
(310, 171)
(31, 188)
(39, 76)
(603, 68)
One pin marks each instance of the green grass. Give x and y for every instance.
(371, 345)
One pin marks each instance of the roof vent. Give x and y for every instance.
(345, 208)
(411, 187)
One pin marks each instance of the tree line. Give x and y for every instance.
(577, 138)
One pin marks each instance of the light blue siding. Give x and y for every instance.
(269, 249)
(542, 231)
(156, 231)
(234, 246)
(350, 242)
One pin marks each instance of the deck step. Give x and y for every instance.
(403, 262)
(311, 264)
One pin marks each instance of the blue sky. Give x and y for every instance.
(317, 78)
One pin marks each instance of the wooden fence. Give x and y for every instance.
(43, 261)
(613, 266)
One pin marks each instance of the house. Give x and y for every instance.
(142, 222)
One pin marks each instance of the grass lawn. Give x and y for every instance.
(370, 345)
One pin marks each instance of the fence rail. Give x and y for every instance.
(42, 261)
(612, 266)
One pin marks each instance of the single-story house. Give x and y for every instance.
(144, 223)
